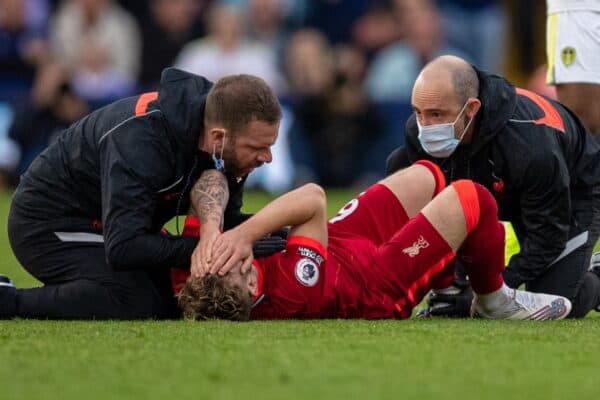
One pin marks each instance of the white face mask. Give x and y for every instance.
(439, 140)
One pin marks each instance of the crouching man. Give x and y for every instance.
(86, 218)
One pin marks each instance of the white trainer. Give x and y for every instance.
(521, 305)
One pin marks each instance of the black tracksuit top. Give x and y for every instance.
(535, 157)
(126, 169)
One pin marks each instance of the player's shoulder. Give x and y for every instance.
(297, 268)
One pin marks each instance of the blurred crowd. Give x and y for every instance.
(343, 69)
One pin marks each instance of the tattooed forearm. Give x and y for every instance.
(209, 197)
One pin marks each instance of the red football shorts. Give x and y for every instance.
(397, 259)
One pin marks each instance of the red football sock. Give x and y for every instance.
(482, 252)
(445, 278)
(440, 180)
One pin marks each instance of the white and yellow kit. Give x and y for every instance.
(573, 41)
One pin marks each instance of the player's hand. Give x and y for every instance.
(202, 255)
(268, 245)
(453, 302)
(229, 249)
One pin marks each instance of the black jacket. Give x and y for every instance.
(534, 170)
(125, 170)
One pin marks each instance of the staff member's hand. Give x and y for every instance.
(229, 249)
(202, 255)
(268, 245)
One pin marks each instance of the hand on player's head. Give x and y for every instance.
(230, 249)
(202, 256)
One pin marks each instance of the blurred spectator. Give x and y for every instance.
(335, 18)
(537, 83)
(9, 150)
(23, 44)
(36, 123)
(136, 8)
(309, 63)
(167, 27)
(227, 52)
(377, 29)
(105, 27)
(266, 18)
(308, 66)
(394, 69)
(94, 77)
(113, 48)
(334, 123)
(478, 28)
(267, 24)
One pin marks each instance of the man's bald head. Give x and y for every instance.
(445, 92)
(450, 69)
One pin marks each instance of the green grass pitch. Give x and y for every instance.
(414, 359)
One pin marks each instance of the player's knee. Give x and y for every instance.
(315, 191)
(315, 188)
(438, 175)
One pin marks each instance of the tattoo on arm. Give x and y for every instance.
(209, 196)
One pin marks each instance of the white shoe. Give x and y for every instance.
(521, 305)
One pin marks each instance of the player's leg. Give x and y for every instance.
(416, 185)
(582, 99)
(573, 52)
(379, 212)
(84, 299)
(131, 294)
(464, 214)
(421, 254)
(482, 254)
(78, 283)
(569, 277)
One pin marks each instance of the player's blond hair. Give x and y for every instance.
(212, 297)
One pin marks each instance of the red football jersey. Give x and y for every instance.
(379, 264)
(291, 283)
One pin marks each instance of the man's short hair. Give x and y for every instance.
(212, 297)
(466, 83)
(236, 100)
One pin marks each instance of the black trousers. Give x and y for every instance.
(570, 277)
(78, 282)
